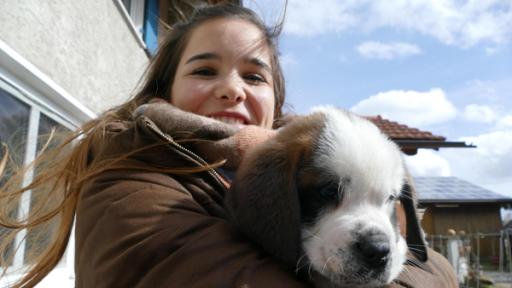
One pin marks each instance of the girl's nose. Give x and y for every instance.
(231, 90)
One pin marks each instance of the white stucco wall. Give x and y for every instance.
(84, 46)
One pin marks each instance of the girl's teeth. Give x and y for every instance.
(228, 120)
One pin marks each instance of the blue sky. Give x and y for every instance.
(444, 66)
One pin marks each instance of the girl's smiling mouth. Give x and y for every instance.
(230, 117)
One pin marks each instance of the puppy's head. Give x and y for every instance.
(322, 194)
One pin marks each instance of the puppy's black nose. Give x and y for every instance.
(374, 249)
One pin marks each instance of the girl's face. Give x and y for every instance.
(224, 73)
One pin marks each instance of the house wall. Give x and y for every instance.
(470, 218)
(86, 47)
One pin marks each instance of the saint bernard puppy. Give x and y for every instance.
(321, 197)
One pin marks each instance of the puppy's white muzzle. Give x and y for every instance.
(355, 247)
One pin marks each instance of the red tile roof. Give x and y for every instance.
(408, 139)
(397, 131)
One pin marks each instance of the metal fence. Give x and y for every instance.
(479, 259)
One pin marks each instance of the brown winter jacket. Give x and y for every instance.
(139, 228)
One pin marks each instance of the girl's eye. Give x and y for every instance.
(255, 78)
(204, 72)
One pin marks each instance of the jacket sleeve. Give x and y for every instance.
(435, 272)
(145, 230)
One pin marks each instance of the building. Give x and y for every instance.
(61, 64)
(452, 203)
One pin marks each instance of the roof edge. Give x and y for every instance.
(432, 143)
(505, 201)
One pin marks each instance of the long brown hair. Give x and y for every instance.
(64, 168)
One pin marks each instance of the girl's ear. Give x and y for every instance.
(414, 236)
(263, 200)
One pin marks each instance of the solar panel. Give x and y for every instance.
(453, 189)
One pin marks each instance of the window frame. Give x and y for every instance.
(134, 18)
(142, 19)
(136, 13)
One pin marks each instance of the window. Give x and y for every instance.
(135, 9)
(24, 128)
(14, 118)
(41, 235)
(143, 16)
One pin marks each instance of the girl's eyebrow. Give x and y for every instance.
(258, 62)
(208, 55)
(203, 56)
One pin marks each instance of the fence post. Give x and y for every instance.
(508, 247)
(502, 251)
(477, 260)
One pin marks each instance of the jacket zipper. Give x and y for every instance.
(185, 152)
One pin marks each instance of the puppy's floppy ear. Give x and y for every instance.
(263, 200)
(414, 236)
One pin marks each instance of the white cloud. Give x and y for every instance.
(479, 114)
(387, 51)
(505, 122)
(427, 163)
(308, 17)
(489, 165)
(493, 93)
(453, 22)
(409, 107)
(496, 149)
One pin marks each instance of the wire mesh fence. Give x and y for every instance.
(479, 259)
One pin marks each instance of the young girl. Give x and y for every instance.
(148, 205)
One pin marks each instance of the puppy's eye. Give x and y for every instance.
(329, 192)
(332, 192)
